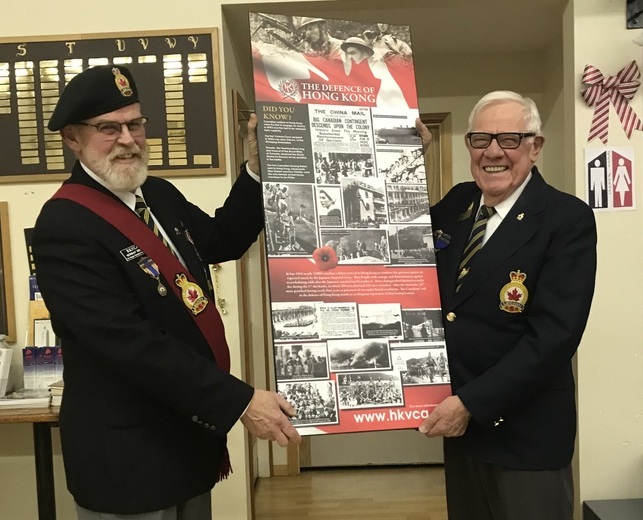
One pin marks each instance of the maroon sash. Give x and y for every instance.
(124, 220)
(130, 225)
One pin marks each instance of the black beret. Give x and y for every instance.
(95, 91)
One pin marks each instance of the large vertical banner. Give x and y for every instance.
(358, 338)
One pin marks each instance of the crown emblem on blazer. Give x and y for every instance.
(513, 295)
(517, 276)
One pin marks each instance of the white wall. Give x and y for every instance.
(610, 360)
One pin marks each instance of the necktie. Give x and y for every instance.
(475, 243)
(144, 213)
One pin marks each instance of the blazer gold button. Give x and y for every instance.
(451, 316)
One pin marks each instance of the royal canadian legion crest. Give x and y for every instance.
(513, 296)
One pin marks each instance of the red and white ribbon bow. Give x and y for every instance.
(618, 89)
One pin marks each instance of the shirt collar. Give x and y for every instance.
(504, 207)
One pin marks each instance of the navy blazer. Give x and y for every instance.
(145, 410)
(513, 370)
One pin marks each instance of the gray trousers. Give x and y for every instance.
(477, 489)
(197, 508)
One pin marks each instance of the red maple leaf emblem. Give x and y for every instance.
(192, 294)
(514, 295)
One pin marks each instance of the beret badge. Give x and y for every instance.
(122, 82)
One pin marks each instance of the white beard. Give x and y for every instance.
(119, 177)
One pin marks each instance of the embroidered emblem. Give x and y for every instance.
(122, 82)
(191, 293)
(513, 296)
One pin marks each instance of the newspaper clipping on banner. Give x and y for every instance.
(357, 327)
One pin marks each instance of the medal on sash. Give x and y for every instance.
(191, 294)
(150, 268)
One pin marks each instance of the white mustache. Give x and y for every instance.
(120, 150)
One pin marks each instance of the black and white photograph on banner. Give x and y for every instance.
(290, 219)
(340, 129)
(380, 320)
(331, 167)
(422, 325)
(327, 170)
(329, 206)
(358, 246)
(404, 165)
(634, 14)
(388, 41)
(422, 364)
(370, 390)
(408, 203)
(305, 60)
(339, 320)
(411, 245)
(395, 127)
(359, 354)
(301, 361)
(364, 202)
(315, 401)
(294, 321)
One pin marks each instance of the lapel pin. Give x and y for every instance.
(441, 239)
(466, 214)
(520, 216)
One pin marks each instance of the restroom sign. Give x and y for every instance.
(609, 178)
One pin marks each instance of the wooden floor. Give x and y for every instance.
(399, 493)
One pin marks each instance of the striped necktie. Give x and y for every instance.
(475, 243)
(144, 212)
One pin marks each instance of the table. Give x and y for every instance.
(42, 419)
(618, 509)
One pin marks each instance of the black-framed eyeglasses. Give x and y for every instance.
(505, 140)
(136, 127)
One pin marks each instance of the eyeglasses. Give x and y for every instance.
(136, 127)
(505, 140)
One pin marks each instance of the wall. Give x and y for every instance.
(610, 360)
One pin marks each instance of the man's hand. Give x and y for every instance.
(267, 418)
(449, 419)
(425, 135)
(253, 146)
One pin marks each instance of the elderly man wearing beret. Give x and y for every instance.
(122, 263)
